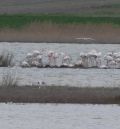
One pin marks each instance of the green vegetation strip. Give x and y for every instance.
(20, 20)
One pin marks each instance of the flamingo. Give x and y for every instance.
(29, 55)
(108, 58)
(79, 63)
(25, 64)
(29, 58)
(50, 57)
(116, 55)
(36, 53)
(66, 60)
(55, 56)
(103, 67)
(118, 62)
(110, 54)
(84, 59)
(112, 64)
(39, 60)
(94, 58)
(35, 63)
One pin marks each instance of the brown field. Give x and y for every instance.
(64, 94)
(64, 33)
(46, 32)
(94, 7)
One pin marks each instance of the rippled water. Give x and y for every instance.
(71, 77)
(60, 116)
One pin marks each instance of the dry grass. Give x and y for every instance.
(6, 59)
(48, 32)
(9, 80)
(60, 94)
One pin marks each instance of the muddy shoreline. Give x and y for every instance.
(60, 94)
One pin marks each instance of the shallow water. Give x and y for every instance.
(59, 116)
(70, 77)
(21, 49)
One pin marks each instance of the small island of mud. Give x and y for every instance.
(60, 94)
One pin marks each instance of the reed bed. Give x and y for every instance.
(6, 59)
(59, 28)
(9, 79)
(56, 33)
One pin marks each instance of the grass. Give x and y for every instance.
(57, 33)
(20, 20)
(9, 80)
(59, 28)
(6, 59)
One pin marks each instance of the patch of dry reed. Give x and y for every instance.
(6, 59)
(48, 32)
(9, 80)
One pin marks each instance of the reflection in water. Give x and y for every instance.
(60, 116)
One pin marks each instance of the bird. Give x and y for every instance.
(36, 53)
(50, 57)
(25, 64)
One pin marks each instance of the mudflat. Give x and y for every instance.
(60, 94)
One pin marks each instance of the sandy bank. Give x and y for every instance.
(82, 33)
(59, 94)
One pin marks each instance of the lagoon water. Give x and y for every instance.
(59, 116)
(69, 77)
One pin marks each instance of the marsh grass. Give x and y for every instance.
(9, 80)
(6, 59)
(58, 33)
(20, 20)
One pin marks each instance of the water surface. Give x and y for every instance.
(70, 77)
(59, 116)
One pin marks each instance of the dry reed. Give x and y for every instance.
(9, 80)
(6, 59)
(48, 32)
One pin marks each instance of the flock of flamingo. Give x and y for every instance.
(91, 59)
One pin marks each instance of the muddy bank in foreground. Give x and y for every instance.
(46, 32)
(60, 94)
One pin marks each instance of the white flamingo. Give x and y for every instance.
(118, 62)
(66, 60)
(94, 58)
(50, 57)
(108, 59)
(25, 64)
(29, 58)
(79, 63)
(113, 64)
(55, 57)
(84, 59)
(36, 53)
(39, 60)
(29, 55)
